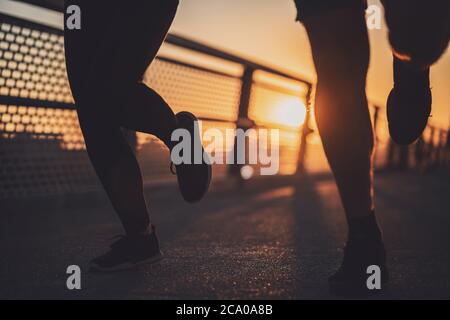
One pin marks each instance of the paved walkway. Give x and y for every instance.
(277, 243)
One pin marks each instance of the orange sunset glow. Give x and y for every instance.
(188, 150)
(266, 31)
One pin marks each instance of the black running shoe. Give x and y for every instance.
(193, 179)
(129, 252)
(409, 103)
(351, 278)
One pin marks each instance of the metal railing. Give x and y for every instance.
(42, 151)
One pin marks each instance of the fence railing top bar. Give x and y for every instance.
(56, 5)
(190, 44)
(31, 24)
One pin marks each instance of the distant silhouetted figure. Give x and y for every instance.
(338, 34)
(106, 60)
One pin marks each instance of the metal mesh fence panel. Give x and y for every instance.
(42, 149)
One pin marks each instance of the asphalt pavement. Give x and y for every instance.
(279, 241)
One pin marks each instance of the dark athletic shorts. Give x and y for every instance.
(309, 8)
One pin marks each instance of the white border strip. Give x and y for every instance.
(33, 13)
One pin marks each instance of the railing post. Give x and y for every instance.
(444, 147)
(246, 92)
(431, 148)
(447, 149)
(442, 141)
(403, 160)
(243, 121)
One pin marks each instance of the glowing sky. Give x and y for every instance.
(266, 31)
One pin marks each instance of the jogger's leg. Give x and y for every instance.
(104, 68)
(136, 106)
(340, 48)
(117, 168)
(106, 62)
(419, 33)
(117, 80)
(144, 110)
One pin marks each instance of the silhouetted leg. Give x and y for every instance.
(118, 170)
(132, 46)
(121, 54)
(106, 61)
(419, 34)
(340, 48)
(144, 110)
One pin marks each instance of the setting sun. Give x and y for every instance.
(290, 112)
